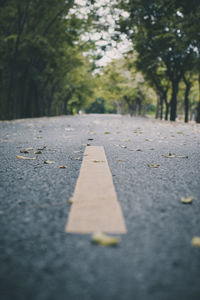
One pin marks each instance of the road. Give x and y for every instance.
(154, 260)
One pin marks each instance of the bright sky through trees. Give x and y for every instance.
(106, 47)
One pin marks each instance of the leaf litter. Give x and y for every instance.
(153, 165)
(46, 162)
(195, 242)
(63, 167)
(104, 239)
(187, 200)
(25, 157)
(173, 155)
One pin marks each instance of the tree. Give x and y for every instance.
(40, 50)
(157, 30)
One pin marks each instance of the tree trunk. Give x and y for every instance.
(161, 108)
(166, 110)
(173, 102)
(157, 107)
(186, 101)
(198, 107)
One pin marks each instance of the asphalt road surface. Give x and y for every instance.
(154, 260)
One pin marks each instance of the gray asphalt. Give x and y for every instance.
(154, 260)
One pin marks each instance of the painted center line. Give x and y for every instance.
(94, 204)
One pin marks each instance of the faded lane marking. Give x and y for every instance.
(95, 206)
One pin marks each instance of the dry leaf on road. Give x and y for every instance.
(173, 155)
(195, 241)
(187, 200)
(63, 167)
(153, 165)
(122, 146)
(105, 240)
(49, 162)
(24, 157)
(135, 150)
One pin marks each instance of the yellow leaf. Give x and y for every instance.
(107, 132)
(105, 240)
(26, 150)
(24, 157)
(195, 241)
(42, 148)
(135, 150)
(172, 155)
(187, 200)
(153, 165)
(49, 162)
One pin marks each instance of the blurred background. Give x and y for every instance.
(134, 57)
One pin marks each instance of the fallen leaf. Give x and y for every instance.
(98, 161)
(173, 155)
(105, 240)
(63, 167)
(42, 148)
(49, 162)
(135, 150)
(26, 150)
(120, 160)
(37, 152)
(107, 132)
(77, 158)
(187, 200)
(24, 157)
(153, 165)
(179, 132)
(122, 146)
(51, 149)
(195, 241)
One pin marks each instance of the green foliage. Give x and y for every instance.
(123, 90)
(42, 66)
(166, 36)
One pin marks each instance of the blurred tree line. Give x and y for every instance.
(46, 66)
(121, 89)
(42, 67)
